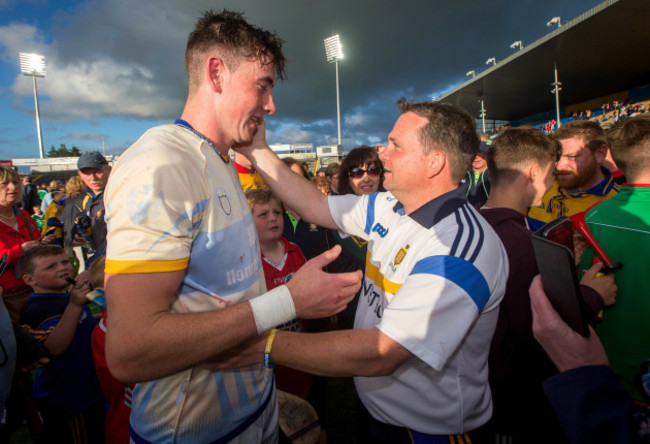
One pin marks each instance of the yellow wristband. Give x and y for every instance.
(267, 348)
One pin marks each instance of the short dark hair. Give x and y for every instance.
(630, 145)
(27, 260)
(516, 147)
(357, 157)
(591, 132)
(233, 37)
(332, 169)
(450, 129)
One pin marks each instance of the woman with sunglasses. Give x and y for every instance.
(362, 172)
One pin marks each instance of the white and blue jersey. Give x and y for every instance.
(433, 283)
(173, 203)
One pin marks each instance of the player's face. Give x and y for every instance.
(578, 165)
(50, 272)
(404, 158)
(247, 94)
(368, 182)
(268, 221)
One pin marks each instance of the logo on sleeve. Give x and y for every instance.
(381, 231)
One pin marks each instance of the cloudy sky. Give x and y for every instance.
(115, 67)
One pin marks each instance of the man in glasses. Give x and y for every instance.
(435, 274)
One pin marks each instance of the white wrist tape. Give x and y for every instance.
(273, 308)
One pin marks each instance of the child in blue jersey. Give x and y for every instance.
(67, 391)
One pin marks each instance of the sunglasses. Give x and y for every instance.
(373, 171)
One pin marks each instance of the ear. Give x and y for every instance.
(29, 280)
(215, 71)
(601, 154)
(532, 172)
(437, 161)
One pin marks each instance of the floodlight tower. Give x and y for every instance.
(554, 21)
(483, 113)
(471, 73)
(34, 65)
(334, 54)
(517, 43)
(491, 60)
(556, 90)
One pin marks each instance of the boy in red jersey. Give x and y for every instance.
(280, 260)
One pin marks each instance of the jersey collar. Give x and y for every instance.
(436, 209)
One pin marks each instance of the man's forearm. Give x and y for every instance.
(297, 192)
(339, 353)
(172, 342)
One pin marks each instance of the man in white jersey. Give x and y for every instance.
(435, 275)
(184, 280)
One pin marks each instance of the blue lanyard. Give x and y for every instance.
(183, 123)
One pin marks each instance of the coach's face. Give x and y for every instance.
(404, 158)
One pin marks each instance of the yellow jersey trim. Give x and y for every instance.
(131, 267)
(373, 273)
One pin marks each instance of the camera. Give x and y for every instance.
(81, 230)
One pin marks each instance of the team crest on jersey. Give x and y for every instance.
(400, 255)
(224, 201)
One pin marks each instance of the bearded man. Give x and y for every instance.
(581, 180)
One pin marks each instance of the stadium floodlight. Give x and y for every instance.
(517, 43)
(471, 73)
(33, 65)
(556, 90)
(553, 21)
(483, 113)
(491, 60)
(334, 54)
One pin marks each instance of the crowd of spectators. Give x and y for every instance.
(410, 269)
(45, 294)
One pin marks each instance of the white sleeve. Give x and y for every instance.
(350, 213)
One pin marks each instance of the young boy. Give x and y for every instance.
(67, 390)
(521, 162)
(280, 260)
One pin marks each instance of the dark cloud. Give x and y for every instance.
(125, 58)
